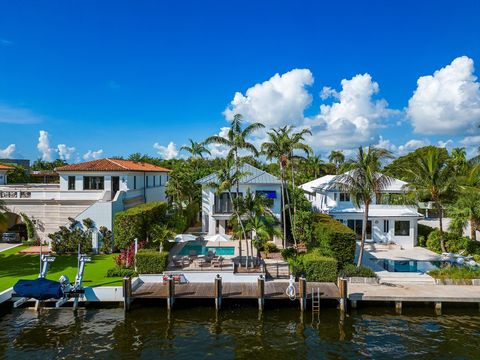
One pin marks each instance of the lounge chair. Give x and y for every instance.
(217, 262)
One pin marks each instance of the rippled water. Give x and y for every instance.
(238, 332)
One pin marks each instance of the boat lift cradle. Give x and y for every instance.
(68, 290)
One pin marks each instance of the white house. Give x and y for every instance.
(387, 223)
(95, 189)
(4, 169)
(217, 208)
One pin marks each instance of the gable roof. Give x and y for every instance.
(108, 164)
(6, 167)
(324, 182)
(253, 176)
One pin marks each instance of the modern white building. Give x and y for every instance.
(95, 189)
(217, 208)
(387, 223)
(4, 169)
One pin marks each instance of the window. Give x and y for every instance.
(134, 182)
(154, 177)
(223, 205)
(386, 226)
(356, 225)
(344, 197)
(160, 180)
(93, 183)
(402, 228)
(71, 183)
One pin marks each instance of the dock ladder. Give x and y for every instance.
(316, 301)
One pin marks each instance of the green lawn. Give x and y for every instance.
(14, 266)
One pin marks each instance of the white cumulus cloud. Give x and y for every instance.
(65, 152)
(43, 146)
(447, 102)
(353, 118)
(166, 152)
(278, 101)
(7, 152)
(92, 155)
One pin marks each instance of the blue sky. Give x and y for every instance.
(121, 76)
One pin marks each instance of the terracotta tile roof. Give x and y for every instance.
(112, 165)
(6, 167)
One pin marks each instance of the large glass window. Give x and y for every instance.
(344, 197)
(223, 205)
(93, 183)
(356, 225)
(71, 183)
(402, 228)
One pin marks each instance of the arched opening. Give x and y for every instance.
(12, 222)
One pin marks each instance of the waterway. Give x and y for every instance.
(239, 332)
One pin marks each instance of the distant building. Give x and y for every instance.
(386, 223)
(21, 162)
(4, 169)
(95, 189)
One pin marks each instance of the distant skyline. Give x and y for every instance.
(81, 80)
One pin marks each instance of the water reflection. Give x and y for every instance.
(235, 332)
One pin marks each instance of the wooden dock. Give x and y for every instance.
(273, 290)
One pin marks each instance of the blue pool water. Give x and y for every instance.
(202, 249)
(408, 265)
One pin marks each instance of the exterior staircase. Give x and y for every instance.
(277, 270)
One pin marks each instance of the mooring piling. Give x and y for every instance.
(303, 293)
(261, 292)
(170, 292)
(218, 292)
(127, 293)
(342, 287)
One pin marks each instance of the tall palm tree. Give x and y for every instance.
(430, 176)
(282, 147)
(364, 183)
(337, 158)
(458, 160)
(196, 149)
(464, 211)
(314, 165)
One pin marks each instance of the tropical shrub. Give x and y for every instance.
(453, 243)
(151, 262)
(126, 258)
(67, 239)
(424, 230)
(304, 227)
(335, 239)
(120, 272)
(455, 273)
(107, 240)
(135, 222)
(350, 270)
(296, 265)
(319, 268)
(288, 253)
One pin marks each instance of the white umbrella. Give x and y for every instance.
(218, 237)
(185, 237)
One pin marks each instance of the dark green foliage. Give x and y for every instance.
(453, 243)
(29, 226)
(288, 253)
(270, 247)
(423, 232)
(120, 272)
(151, 261)
(421, 241)
(67, 239)
(455, 273)
(296, 265)
(107, 240)
(350, 270)
(304, 227)
(319, 268)
(136, 222)
(335, 239)
(19, 175)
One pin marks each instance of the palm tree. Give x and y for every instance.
(337, 158)
(281, 147)
(430, 176)
(314, 165)
(196, 149)
(364, 183)
(458, 160)
(465, 210)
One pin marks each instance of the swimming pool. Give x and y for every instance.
(420, 266)
(201, 249)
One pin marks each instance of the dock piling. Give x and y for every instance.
(218, 292)
(398, 307)
(261, 292)
(438, 308)
(303, 293)
(127, 293)
(170, 292)
(342, 287)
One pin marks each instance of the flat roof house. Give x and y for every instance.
(387, 223)
(4, 169)
(217, 209)
(95, 189)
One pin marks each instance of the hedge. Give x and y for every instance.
(319, 268)
(335, 239)
(151, 261)
(135, 222)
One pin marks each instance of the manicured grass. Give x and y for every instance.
(14, 266)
